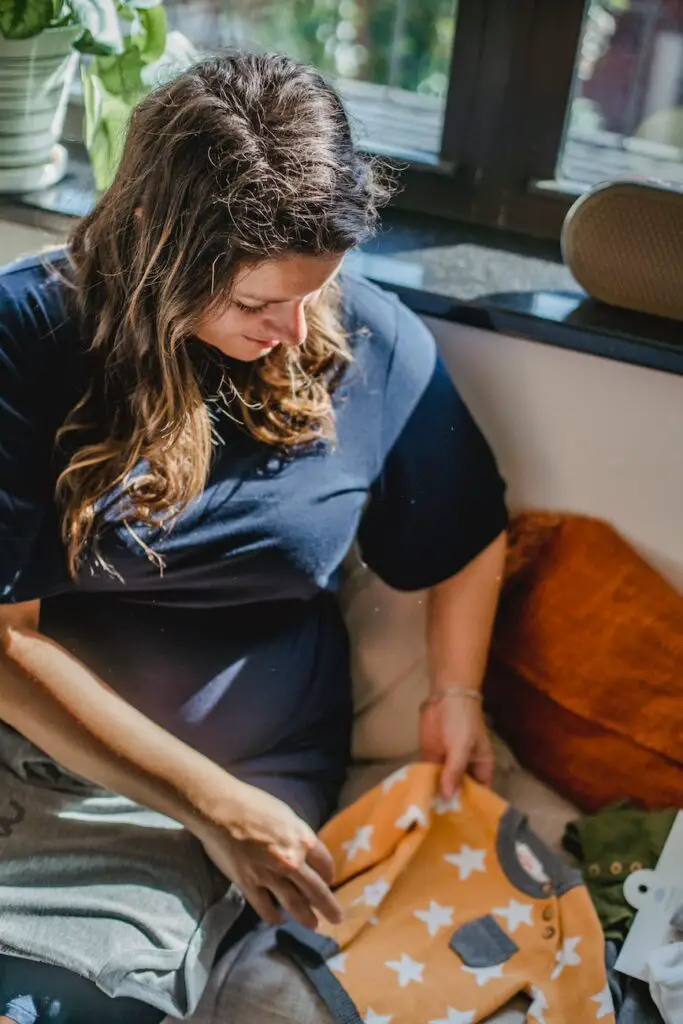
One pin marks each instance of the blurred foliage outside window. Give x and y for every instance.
(402, 45)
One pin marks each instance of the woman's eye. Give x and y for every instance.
(249, 309)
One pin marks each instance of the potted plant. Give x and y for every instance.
(127, 50)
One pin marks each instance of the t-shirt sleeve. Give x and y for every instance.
(25, 442)
(438, 499)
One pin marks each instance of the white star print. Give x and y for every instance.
(436, 917)
(399, 776)
(373, 894)
(456, 1017)
(484, 975)
(605, 1004)
(467, 861)
(375, 1018)
(515, 914)
(361, 841)
(443, 806)
(413, 815)
(338, 963)
(539, 1005)
(407, 970)
(566, 957)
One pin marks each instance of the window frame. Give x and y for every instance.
(505, 118)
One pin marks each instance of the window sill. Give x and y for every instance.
(460, 273)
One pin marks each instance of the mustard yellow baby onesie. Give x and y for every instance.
(454, 907)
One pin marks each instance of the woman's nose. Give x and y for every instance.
(292, 327)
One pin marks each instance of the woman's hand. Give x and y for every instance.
(273, 856)
(453, 732)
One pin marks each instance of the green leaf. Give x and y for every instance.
(106, 118)
(114, 83)
(151, 41)
(20, 19)
(101, 24)
(92, 101)
(122, 75)
(88, 44)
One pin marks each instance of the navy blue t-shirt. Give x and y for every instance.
(237, 646)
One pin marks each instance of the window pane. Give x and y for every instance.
(626, 114)
(390, 57)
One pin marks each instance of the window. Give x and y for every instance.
(470, 94)
(626, 114)
(390, 58)
(500, 111)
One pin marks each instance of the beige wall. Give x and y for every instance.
(579, 433)
(572, 431)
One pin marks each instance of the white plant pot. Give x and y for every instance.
(35, 77)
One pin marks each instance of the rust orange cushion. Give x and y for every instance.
(586, 675)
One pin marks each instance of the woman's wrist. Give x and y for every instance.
(211, 800)
(447, 693)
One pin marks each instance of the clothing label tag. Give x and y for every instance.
(656, 895)
(530, 862)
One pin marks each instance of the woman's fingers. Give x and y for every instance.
(260, 900)
(320, 859)
(304, 895)
(294, 902)
(483, 762)
(317, 894)
(454, 768)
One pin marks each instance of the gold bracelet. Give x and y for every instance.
(451, 691)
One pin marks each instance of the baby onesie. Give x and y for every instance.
(452, 907)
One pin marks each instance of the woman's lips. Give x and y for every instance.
(261, 342)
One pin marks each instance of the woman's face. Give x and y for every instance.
(268, 306)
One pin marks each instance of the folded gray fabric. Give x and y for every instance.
(93, 882)
(254, 983)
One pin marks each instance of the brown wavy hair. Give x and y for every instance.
(240, 159)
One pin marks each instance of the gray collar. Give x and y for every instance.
(514, 828)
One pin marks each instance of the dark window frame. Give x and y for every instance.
(511, 81)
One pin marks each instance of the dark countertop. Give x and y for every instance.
(461, 273)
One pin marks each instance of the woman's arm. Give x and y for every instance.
(461, 612)
(57, 703)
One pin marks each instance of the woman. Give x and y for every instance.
(199, 411)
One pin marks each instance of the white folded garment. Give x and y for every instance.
(665, 976)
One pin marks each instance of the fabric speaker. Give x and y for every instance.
(623, 242)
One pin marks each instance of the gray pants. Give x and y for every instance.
(97, 885)
(256, 984)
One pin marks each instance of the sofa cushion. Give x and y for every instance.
(586, 673)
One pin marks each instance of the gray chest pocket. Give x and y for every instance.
(482, 943)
